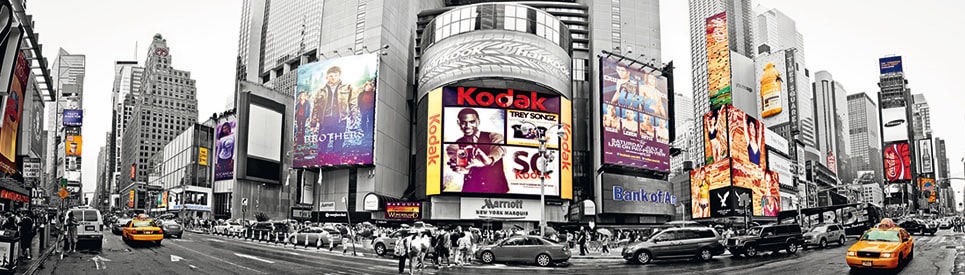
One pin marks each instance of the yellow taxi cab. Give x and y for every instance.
(142, 230)
(885, 246)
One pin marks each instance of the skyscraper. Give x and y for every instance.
(68, 71)
(684, 114)
(741, 41)
(775, 31)
(894, 103)
(831, 116)
(127, 83)
(166, 105)
(865, 136)
(921, 117)
(275, 36)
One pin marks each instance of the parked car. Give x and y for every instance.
(172, 228)
(945, 224)
(701, 242)
(117, 227)
(678, 224)
(229, 227)
(773, 237)
(387, 243)
(920, 226)
(881, 248)
(524, 249)
(89, 225)
(822, 234)
(312, 235)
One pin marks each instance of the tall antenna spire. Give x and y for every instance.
(135, 50)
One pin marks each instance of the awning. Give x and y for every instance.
(13, 185)
(376, 202)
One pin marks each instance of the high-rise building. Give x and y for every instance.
(831, 116)
(127, 83)
(684, 113)
(895, 110)
(871, 192)
(921, 117)
(741, 42)
(941, 159)
(865, 135)
(165, 106)
(776, 31)
(67, 73)
(277, 36)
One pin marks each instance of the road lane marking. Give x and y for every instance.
(99, 261)
(253, 258)
(176, 258)
(223, 260)
(216, 240)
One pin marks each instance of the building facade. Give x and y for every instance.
(68, 71)
(865, 135)
(895, 110)
(166, 105)
(871, 192)
(184, 171)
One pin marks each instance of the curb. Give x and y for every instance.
(43, 257)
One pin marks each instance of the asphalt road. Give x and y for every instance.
(210, 254)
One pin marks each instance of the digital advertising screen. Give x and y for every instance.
(891, 64)
(488, 141)
(897, 161)
(894, 124)
(637, 195)
(769, 198)
(335, 112)
(74, 145)
(635, 115)
(73, 117)
(729, 201)
(718, 61)
(771, 70)
(715, 136)
(12, 113)
(746, 139)
(705, 179)
(225, 150)
(925, 158)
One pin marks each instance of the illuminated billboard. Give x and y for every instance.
(636, 124)
(925, 158)
(484, 140)
(335, 112)
(897, 161)
(771, 71)
(12, 112)
(225, 150)
(746, 136)
(73, 117)
(702, 181)
(894, 124)
(715, 136)
(718, 61)
(74, 145)
(890, 64)
(927, 187)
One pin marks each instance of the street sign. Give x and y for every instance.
(63, 182)
(244, 201)
(63, 193)
(31, 168)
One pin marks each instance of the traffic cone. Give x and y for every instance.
(318, 243)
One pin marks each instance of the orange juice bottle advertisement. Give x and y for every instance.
(770, 91)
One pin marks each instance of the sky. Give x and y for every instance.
(202, 37)
(846, 38)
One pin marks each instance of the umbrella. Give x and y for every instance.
(604, 231)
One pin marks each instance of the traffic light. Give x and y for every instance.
(63, 182)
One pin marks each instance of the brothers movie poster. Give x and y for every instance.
(335, 112)
(490, 141)
(225, 149)
(636, 124)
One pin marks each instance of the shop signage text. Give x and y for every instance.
(620, 194)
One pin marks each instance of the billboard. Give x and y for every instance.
(475, 142)
(636, 124)
(890, 64)
(746, 142)
(729, 201)
(897, 161)
(637, 195)
(927, 187)
(203, 156)
(499, 209)
(715, 136)
(73, 117)
(403, 210)
(894, 124)
(771, 71)
(224, 164)
(704, 179)
(335, 112)
(12, 112)
(925, 158)
(718, 61)
(74, 145)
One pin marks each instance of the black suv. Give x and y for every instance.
(920, 226)
(773, 237)
(700, 242)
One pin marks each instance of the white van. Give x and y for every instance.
(89, 225)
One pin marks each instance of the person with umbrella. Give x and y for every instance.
(605, 240)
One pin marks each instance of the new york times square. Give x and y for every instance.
(480, 137)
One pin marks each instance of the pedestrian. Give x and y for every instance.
(27, 232)
(442, 248)
(581, 239)
(415, 250)
(71, 229)
(454, 238)
(346, 238)
(402, 252)
(605, 243)
(465, 244)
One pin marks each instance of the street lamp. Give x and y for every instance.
(547, 158)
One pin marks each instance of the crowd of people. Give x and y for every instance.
(24, 225)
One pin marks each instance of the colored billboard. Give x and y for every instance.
(702, 181)
(774, 99)
(403, 210)
(472, 129)
(335, 112)
(224, 164)
(927, 187)
(890, 64)
(203, 156)
(74, 145)
(925, 158)
(715, 136)
(73, 117)
(894, 124)
(746, 140)
(769, 197)
(897, 161)
(718, 61)
(636, 124)
(637, 195)
(12, 113)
